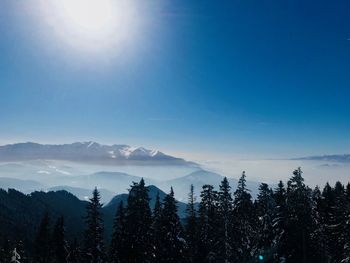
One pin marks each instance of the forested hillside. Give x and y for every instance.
(291, 223)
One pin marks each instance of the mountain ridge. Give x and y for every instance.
(88, 152)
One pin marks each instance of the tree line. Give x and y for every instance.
(291, 223)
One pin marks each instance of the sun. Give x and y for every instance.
(92, 25)
(90, 15)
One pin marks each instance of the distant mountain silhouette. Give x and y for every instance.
(87, 152)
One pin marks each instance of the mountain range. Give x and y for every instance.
(87, 152)
(21, 213)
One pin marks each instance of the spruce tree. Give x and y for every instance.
(172, 242)
(207, 245)
(299, 220)
(138, 230)
(225, 222)
(74, 253)
(93, 246)
(42, 246)
(118, 237)
(244, 222)
(279, 223)
(265, 208)
(346, 250)
(318, 235)
(5, 251)
(191, 227)
(59, 243)
(157, 228)
(337, 227)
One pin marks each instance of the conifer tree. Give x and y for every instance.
(244, 221)
(337, 226)
(6, 251)
(94, 246)
(265, 208)
(191, 227)
(318, 235)
(346, 250)
(299, 220)
(172, 243)
(118, 237)
(157, 228)
(138, 247)
(225, 222)
(59, 243)
(42, 246)
(74, 253)
(279, 223)
(207, 246)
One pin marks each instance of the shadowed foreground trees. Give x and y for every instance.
(291, 223)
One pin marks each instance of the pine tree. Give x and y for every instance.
(279, 223)
(74, 253)
(118, 237)
(138, 247)
(172, 242)
(299, 220)
(346, 250)
(265, 208)
(337, 227)
(225, 222)
(59, 242)
(94, 247)
(318, 235)
(191, 227)
(6, 251)
(244, 222)
(207, 249)
(43, 251)
(157, 228)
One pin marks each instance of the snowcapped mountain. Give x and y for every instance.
(87, 152)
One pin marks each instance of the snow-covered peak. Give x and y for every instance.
(85, 152)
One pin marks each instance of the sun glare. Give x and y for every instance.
(92, 25)
(90, 15)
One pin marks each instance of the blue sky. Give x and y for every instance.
(233, 78)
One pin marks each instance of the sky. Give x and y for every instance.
(199, 79)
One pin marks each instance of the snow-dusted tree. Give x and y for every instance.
(15, 256)
(42, 246)
(318, 234)
(337, 226)
(93, 245)
(225, 223)
(191, 226)
(265, 208)
(116, 249)
(207, 245)
(172, 244)
(346, 250)
(279, 223)
(59, 242)
(138, 226)
(299, 220)
(244, 222)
